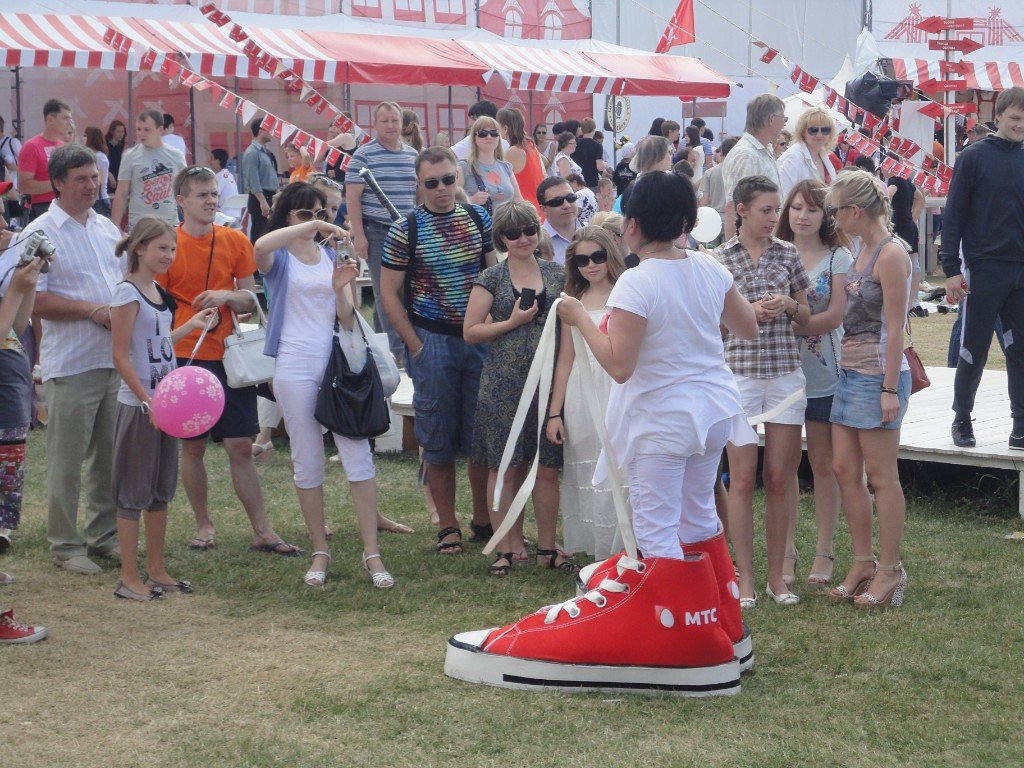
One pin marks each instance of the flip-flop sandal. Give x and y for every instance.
(275, 549)
(202, 542)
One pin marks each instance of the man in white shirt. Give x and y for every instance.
(171, 139)
(77, 361)
(754, 153)
(480, 109)
(559, 203)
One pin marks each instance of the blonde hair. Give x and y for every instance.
(484, 123)
(545, 246)
(575, 283)
(860, 188)
(816, 113)
(146, 230)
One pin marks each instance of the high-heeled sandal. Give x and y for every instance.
(785, 598)
(819, 582)
(893, 598)
(381, 579)
(841, 594)
(790, 579)
(317, 578)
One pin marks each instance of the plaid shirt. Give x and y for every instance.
(780, 272)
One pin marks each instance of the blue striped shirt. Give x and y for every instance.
(450, 252)
(395, 172)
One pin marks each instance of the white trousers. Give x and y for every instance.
(673, 497)
(296, 381)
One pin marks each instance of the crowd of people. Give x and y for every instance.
(795, 318)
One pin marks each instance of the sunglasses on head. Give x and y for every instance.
(555, 202)
(514, 234)
(485, 132)
(448, 179)
(197, 170)
(582, 260)
(321, 178)
(814, 130)
(307, 214)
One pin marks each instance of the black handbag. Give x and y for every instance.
(352, 404)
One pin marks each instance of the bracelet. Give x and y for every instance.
(146, 409)
(95, 310)
(553, 416)
(889, 390)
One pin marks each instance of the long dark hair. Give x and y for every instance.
(296, 196)
(110, 132)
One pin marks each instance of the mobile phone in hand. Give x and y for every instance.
(527, 297)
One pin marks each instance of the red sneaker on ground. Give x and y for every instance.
(13, 632)
(650, 627)
(730, 616)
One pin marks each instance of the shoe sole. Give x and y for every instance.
(41, 634)
(465, 661)
(743, 649)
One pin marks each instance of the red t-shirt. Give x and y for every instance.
(34, 158)
(202, 263)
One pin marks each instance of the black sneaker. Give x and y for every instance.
(1017, 441)
(963, 433)
(918, 311)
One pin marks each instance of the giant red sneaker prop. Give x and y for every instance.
(729, 615)
(650, 626)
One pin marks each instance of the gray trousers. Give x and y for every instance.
(80, 435)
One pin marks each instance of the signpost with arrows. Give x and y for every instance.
(945, 26)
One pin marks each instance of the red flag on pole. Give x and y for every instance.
(680, 29)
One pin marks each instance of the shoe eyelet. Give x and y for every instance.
(626, 588)
(573, 611)
(641, 567)
(601, 601)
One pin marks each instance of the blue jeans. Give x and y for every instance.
(446, 378)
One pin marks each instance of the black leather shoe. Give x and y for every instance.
(1017, 441)
(963, 432)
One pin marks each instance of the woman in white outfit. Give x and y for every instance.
(309, 299)
(808, 157)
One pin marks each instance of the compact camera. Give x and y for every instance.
(38, 245)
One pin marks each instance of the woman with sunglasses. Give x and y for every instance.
(487, 177)
(496, 316)
(809, 155)
(310, 296)
(563, 165)
(589, 524)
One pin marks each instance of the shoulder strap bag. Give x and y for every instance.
(244, 362)
(352, 403)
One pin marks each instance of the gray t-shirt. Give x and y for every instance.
(150, 176)
(819, 354)
(151, 350)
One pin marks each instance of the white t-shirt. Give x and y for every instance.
(310, 308)
(149, 176)
(150, 350)
(461, 148)
(681, 386)
(175, 141)
(227, 187)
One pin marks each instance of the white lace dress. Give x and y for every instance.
(588, 512)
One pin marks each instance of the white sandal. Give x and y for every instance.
(261, 451)
(317, 578)
(381, 579)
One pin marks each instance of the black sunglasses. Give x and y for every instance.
(814, 130)
(583, 259)
(514, 234)
(306, 214)
(555, 202)
(448, 179)
(484, 133)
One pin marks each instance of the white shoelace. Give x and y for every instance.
(596, 596)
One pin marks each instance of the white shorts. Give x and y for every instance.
(761, 395)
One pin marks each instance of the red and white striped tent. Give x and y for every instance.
(980, 75)
(59, 40)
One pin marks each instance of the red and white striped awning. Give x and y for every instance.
(52, 40)
(982, 75)
(543, 69)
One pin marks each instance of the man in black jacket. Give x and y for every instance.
(984, 217)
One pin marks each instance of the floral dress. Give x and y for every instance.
(505, 369)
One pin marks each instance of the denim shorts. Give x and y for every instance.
(818, 408)
(445, 378)
(857, 402)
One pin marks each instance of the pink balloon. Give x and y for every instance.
(188, 401)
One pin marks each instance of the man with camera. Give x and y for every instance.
(79, 378)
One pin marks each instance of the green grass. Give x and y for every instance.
(257, 670)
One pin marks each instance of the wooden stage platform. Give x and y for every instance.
(925, 433)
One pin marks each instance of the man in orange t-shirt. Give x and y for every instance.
(214, 267)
